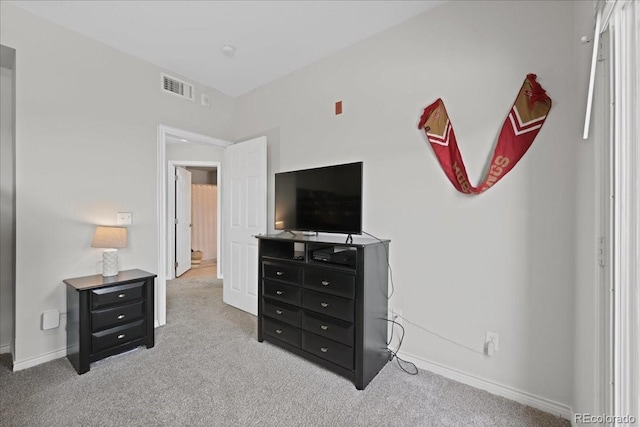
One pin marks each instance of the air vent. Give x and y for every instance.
(177, 87)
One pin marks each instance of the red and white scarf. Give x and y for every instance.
(520, 128)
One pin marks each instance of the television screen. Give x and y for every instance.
(327, 199)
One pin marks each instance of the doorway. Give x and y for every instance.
(179, 147)
(197, 240)
(243, 186)
(7, 200)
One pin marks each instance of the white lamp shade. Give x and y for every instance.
(109, 237)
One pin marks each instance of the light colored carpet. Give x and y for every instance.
(208, 369)
(208, 268)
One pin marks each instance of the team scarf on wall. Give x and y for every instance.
(520, 128)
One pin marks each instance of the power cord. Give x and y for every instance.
(393, 354)
(440, 336)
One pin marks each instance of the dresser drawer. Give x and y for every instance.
(121, 294)
(330, 305)
(114, 316)
(115, 336)
(282, 331)
(328, 327)
(332, 351)
(283, 312)
(282, 272)
(331, 282)
(281, 292)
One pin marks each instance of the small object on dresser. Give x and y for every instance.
(109, 238)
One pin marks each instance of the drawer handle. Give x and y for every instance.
(325, 283)
(279, 273)
(324, 304)
(120, 336)
(324, 349)
(120, 317)
(278, 331)
(324, 327)
(279, 292)
(121, 296)
(278, 311)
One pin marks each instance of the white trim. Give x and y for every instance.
(624, 24)
(193, 137)
(164, 132)
(493, 387)
(43, 358)
(5, 348)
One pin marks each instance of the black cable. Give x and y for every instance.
(386, 251)
(394, 354)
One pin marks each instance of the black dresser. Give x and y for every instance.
(108, 315)
(326, 300)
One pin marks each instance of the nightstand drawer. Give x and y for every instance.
(281, 292)
(283, 272)
(104, 297)
(282, 331)
(331, 282)
(332, 351)
(330, 305)
(283, 312)
(110, 317)
(328, 327)
(115, 336)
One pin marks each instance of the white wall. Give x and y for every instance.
(503, 261)
(7, 223)
(86, 125)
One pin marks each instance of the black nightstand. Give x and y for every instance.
(108, 315)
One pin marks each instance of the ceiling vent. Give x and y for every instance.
(177, 87)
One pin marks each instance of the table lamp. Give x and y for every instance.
(110, 238)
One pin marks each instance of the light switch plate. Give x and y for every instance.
(124, 218)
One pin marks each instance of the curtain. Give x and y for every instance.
(204, 212)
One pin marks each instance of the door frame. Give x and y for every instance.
(164, 134)
(171, 212)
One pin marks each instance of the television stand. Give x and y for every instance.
(286, 232)
(326, 301)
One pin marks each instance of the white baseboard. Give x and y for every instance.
(5, 348)
(47, 357)
(493, 387)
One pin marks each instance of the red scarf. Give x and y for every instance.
(520, 128)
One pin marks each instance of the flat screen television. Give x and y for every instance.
(326, 199)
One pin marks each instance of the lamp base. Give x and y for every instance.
(110, 262)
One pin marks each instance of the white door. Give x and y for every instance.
(183, 221)
(245, 215)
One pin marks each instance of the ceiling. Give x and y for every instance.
(272, 38)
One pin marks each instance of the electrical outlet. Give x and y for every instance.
(491, 338)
